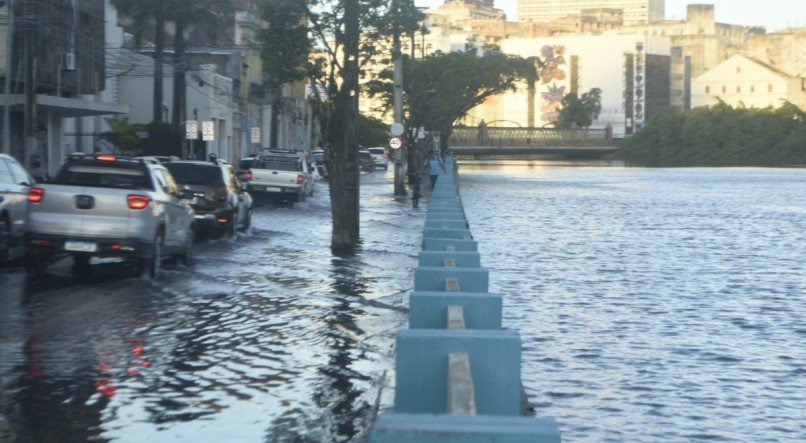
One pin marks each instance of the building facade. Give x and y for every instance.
(633, 73)
(635, 11)
(741, 81)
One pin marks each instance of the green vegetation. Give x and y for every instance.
(441, 88)
(580, 112)
(720, 136)
(372, 131)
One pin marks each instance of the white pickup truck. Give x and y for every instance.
(281, 174)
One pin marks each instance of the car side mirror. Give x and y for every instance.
(187, 194)
(24, 183)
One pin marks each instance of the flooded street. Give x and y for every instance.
(269, 337)
(654, 304)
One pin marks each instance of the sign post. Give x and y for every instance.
(396, 143)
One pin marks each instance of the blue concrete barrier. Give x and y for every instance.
(432, 428)
(470, 279)
(440, 244)
(422, 366)
(456, 358)
(435, 259)
(446, 224)
(427, 309)
(444, 216)
(461, 234)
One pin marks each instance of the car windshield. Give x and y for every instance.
(246, 164)
(102, 177)
(377, 151)
(195, 174)
(280, 163)
(364, 154)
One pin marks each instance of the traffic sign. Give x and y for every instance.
(208, 131)
(255, 134)
(395, 143)
(191, 130)
(397, 129)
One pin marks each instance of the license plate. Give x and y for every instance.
(272, 189)
(80, 246)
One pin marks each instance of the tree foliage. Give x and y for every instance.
(720, 136)
(329, 42)
(372, 132)
(441, 88)
(580, 112)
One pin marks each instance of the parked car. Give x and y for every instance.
(379, 155)
(109, 206)
(283, 175)
(366, 161)
(14, 184)
(244, 170)
(221, 203)
(318, 159)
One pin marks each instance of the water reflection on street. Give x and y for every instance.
(268, 337)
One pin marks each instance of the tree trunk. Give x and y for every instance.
(345, 178)
(179, 112)
(159, 47)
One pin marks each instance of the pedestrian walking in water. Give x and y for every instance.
(435, 165)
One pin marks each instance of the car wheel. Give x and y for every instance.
(81, 266)
(232, 229)
(248, 222)
(187, 257)
(5, 241)
(151, 266)
(35, 266)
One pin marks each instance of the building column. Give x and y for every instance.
(55, 143)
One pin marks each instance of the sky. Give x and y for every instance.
(772, 14)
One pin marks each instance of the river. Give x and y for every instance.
(653, 304)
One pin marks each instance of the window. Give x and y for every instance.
(769, 88)
(752, 88)
(738, 89)
(20, 175)
(5, 174)
(724, 89)
(738, 69)
(707, 89)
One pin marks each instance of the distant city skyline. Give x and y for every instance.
(772, 14)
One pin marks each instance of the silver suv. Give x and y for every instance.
(108, 206)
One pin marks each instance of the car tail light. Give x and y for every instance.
(106, 158)
(222, 220)
(138, 201)
(36, 195)
(221, 193)
(249, 175)
(300, 179)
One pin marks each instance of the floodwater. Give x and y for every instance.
(653, 304)
(269, 337)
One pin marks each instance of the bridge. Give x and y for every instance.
(512, 142)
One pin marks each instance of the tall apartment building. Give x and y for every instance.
(635, 11)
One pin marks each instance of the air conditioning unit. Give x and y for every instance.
(68, 61)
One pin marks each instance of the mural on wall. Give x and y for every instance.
(639, 95)
(551, 73)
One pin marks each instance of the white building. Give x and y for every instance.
(612, 63)
(635, 11)
(743, 81)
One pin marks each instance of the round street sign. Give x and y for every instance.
(397, 129)
(395, 143)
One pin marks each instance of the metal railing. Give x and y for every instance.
(529, 137)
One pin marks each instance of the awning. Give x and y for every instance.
(64, 106)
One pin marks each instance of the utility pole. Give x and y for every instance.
(400, 188)
(7, 82)
(30, 89)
